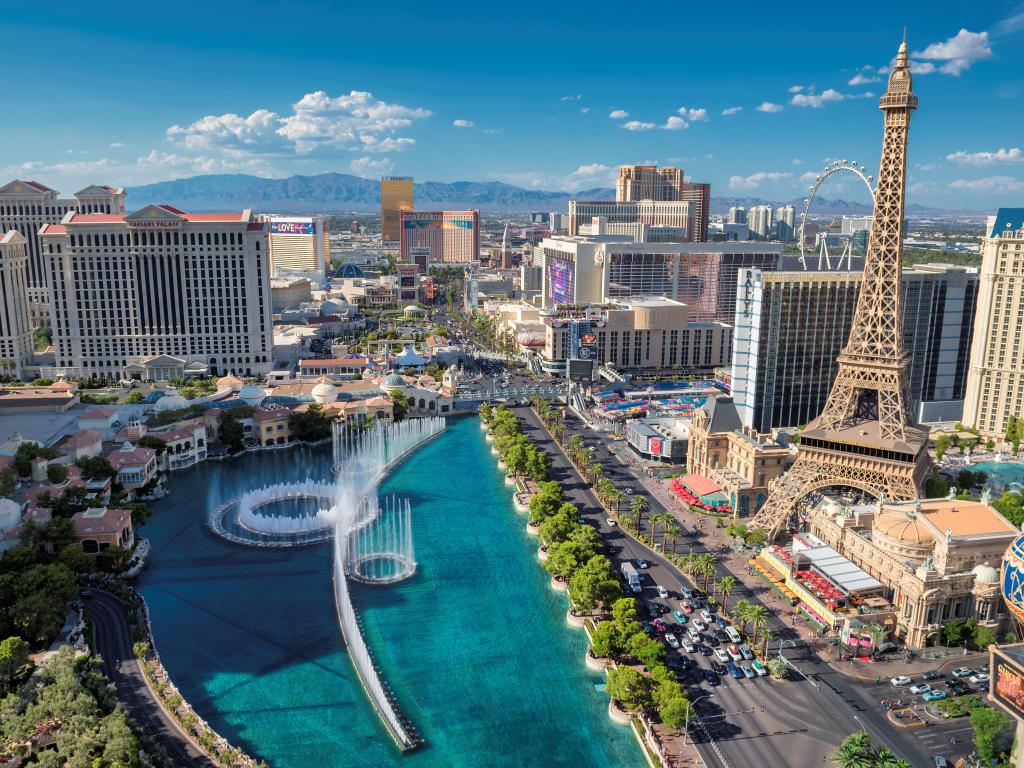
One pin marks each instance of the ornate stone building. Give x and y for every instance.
(934, 555)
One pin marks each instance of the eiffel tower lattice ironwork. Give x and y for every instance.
(866, 436)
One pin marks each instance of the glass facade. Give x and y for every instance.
(395, 197)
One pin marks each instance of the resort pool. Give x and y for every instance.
(1005, 473)
(475, 645)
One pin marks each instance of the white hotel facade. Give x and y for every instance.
(159, 293)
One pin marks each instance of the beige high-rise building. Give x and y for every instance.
(995, 379)
(28, 205)
(395, 197)
(648, 182)
(298, 244)
(15, 328)
(160, 293)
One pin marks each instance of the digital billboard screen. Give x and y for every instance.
(1008, 681)
(560, 278)
(292, 228)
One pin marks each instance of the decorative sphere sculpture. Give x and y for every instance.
(1011, 577)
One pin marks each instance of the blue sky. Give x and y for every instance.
(751, 97)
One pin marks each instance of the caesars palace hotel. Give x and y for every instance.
(159, 293)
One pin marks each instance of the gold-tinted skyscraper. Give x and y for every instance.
(395, 197)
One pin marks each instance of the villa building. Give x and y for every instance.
(136, 466)
(186, 443)
(271, 426)
(99, 529)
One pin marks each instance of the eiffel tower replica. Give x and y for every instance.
(866, 437)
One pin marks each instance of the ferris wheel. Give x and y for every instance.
(837, 167)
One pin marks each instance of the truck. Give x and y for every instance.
(632, 577)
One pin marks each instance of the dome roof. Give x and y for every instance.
(899, 525)
(348, 269)
(333, 307)
(324, 391)
(392, 381)
(172, 401)
(531, 339)
(233, 382)
(986, 574)
(252, 395)
(10, 514)
(413, 308)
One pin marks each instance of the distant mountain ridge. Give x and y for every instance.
(338, 192)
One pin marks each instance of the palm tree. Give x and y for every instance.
(886, 758)
(766, 635)
(673, 530)
(855, 752)
(707, 563)
(627, 515)
(758, 616)
(726, 584)
(655, 519)
(638, 506)
(575, 447)
(615, 497)
(877, 633)
(740, 612)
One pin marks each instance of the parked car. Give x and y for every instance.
(680, 617)
(687, 644)
(705, 615)
(659, 625)
(932, 674)
(962, 672)
(721, 655)
(759, 668)
(746, 670)
(920, 688)
(746, 653)
(687, 593)
(718, 666)
(694, 634)
(662, 592)
(735, 655)
(705, 649)
(934, 695)
(699, 625)
(981, 677)
(899, 681)
(940, 761)
(686, 606)
(671, 640)
(711, 678)
(734, 670)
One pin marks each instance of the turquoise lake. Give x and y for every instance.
(475, 645)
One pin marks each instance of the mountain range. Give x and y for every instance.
(338, 192)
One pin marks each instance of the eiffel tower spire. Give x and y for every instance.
(866, 437)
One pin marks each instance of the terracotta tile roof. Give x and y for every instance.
(359, 362)
(272, 415)
(100, 521)
(53, 229)
(82, 439)
(133, 458)
(98, 413)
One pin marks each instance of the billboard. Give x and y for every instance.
(292, 228)
(580, 370)
(561, 281)
(582, 341)
(408, 222)
(654, 446)
(1008, 680)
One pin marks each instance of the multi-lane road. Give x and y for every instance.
(112, 640)
(798, 722)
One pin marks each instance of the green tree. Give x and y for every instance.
(990, 726)
(886, 758)
(676, 712)
(231, 432)
(726, 585)
(594, 583)
(777, 668)
(757, 537)
(96, 468)
(624, 609)
(13, 656)
(8, 481)
(559, 526)
(855, 751)
(485, 411)
(983, 638)
(629, 686)
(607, 643)
(547, 501)
(311, 426)
(637, 507)
(134, 398)
(151, 441)
(26, 452)
(942, 443)
(400, 405)
(953, 632)
(56, 473)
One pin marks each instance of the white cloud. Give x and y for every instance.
(573, 97)
(117, 144)
(797, 161)
(808, 176)
(756, 179)
(1009, 25)
(767, 106)
(584, 177)
(637, 125)
(732, 110)
(462, 123)
(592, 169)
(618, 114)
(694, 115)
(370, 167)
(816, 100)
(795, 88)
(928, 166)
(674, 123)
(584, 110)
(1000, 184)
(356, 120)
(956, 55)
(862, 78)
(1000, 156)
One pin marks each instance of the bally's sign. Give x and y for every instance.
(1008, 680)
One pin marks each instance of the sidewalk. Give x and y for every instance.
(869, 670)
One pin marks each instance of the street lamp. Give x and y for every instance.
(693, 708)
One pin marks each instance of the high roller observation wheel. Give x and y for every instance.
(838, 166)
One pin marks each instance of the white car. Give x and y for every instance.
(705, 615)
(722, 656)
(962, 672)
(899, 681)
(920, 688)
(671, 640)
(687, 644)
(662, 592)
(611, 523)
(981, 677)
(699, 625)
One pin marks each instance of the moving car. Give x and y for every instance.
(641, 563)
(735, 671)
(899, 681)
(962, 672)
(746, 670)
(611, 523)
(662, 592)
(735, 655)
(934, 695)
(920, 688)
(671, 640)
(759, 668)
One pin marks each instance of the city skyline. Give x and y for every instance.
(556, 103)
